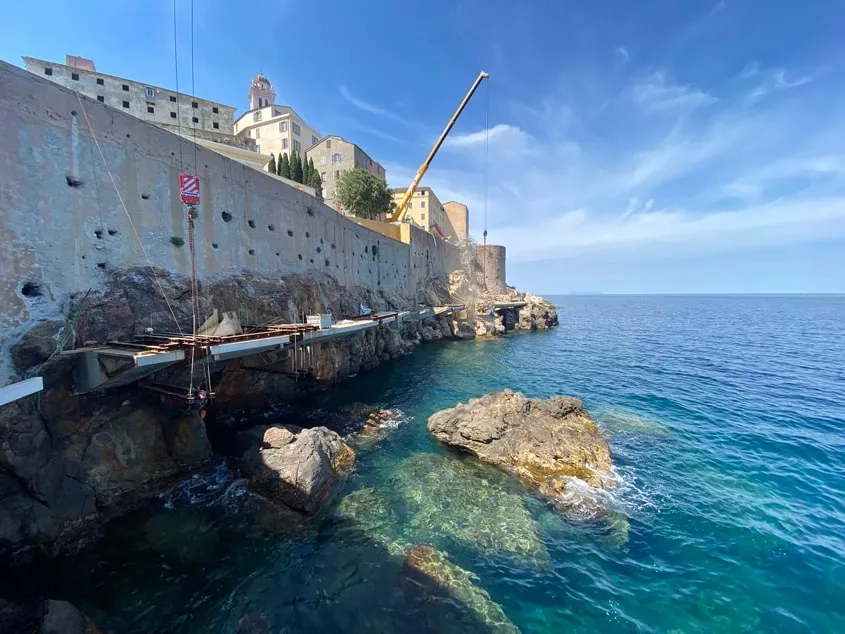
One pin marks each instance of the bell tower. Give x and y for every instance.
(261, 92)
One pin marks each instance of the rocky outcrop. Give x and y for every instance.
(429, 571)
(543, 442)
(537, 314)
(300, 468)
(35, 616)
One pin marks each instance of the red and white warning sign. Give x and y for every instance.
(189, 189)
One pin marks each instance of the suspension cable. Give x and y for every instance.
(486, 172)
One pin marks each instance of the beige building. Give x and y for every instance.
(457, 221)
(274, 128)
(166, 108)
(334, 154)
(424, 209)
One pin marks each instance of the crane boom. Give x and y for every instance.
(401, 208)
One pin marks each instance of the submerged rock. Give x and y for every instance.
(543, 442)
(301, 468)
(448, 498)
(370, 512)
(61, 617)
(428, 572)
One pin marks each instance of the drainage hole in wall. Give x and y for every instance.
(252, 251)
(251, 223)
(214, 245)
(321, 241)
(333, 246)
(307, 235)
(300, 256)
(112, 232)
(73, 181)
(319, 250)
(290, 233)
(271, 227)
(128, 136)
(101, 265)
(327, 263)
(277, 253)
(227, 217)
(98, 233)
(145, 196)
(176, 241)
(31, 289)
(73, 113)
(311, 260)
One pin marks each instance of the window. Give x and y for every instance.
(322, 160)
(284, 144)
(172, 115)
(215, 125)
(194, 104)
(410, 205)
(125, 87)
(314, 140)
(297, 147)
(151, 110)
(48, 71)
(215, 110)
(74, 76)
(322, 176)
(194, 120)
(125, 104)
(422, 217)
(257, 133)
(422, 204)
(328, 144)
(101, 98)
(336, 174)
(296, 128)
(336, 158)
(149, 92)
(100, 81)
(283, 126)
(172, 98)
(256, 116)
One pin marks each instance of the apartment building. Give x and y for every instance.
(274, 129)
(166, 108)
(334, 154)
(457, 221)
(424, 209)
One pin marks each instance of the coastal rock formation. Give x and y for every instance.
(300, 468)
(537, 314)
(543, 442)
(450, 500)
(428, 571)
(36, 616)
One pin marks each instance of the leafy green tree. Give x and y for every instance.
(317, 184)
(363, 194)
(284, 166)
(271, 165)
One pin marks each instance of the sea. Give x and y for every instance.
(725, 417)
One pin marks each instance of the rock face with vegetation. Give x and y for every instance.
(543, 442)
(300, 468)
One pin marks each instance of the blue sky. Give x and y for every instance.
(651, 146)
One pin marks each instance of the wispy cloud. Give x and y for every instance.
(750, 70)
(655, 93)
(368, 107)
(782, 82)
(622, 53)
(512, 136)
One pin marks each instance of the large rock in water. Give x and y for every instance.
(543, 442)
(298, 467)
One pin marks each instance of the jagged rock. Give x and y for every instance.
(543, 442)
(36, 346)
(298, 467)
(61, 617)
(430, 572)
(452, 499)
(537, 314)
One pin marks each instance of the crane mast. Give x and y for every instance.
(399, 213)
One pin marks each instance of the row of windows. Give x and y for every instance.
(151, 110)
(150, 93)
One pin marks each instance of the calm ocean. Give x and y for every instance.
(726, 420)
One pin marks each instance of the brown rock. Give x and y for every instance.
(541, 441)
(36, 345)
(298, 467)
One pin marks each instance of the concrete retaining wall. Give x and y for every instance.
(68, 213)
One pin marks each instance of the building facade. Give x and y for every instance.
(275, 129)
(424, 209)
(332, 155)
(457, 221)
(166, 108)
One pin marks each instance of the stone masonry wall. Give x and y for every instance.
(64, 224)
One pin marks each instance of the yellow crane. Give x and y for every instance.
(399, 213)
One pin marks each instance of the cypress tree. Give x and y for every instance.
(312, 172)
(317, 185)
(284, 167)
(297, 169)
(306, 172)
(271, 165)
(279, 164)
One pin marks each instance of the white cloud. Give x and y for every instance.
(622, 53)
(653, 93)
(368, 107)
(781, 81)
(499, 134)
(751, 69)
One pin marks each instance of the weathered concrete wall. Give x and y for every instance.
(125, 210)
(493, 261)
(384, 228)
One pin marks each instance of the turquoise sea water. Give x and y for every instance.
(726, 420)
